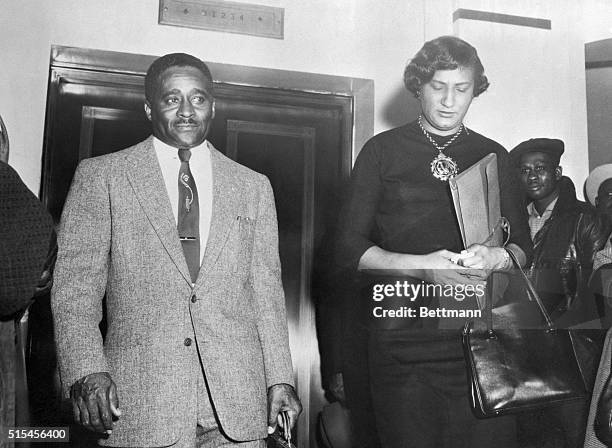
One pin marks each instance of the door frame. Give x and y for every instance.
(359, 90)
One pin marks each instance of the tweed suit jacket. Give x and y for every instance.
(118, 236)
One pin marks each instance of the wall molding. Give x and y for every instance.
(506, 19)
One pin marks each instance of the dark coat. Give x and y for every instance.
(563, 256)
(26, 232)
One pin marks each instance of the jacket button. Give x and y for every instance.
(194, 298)
(187, 342)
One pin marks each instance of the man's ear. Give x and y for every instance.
(558, 172)
(147, 109)
(213, 111)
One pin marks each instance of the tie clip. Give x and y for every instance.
(187, 238)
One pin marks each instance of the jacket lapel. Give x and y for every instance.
(225, 203)
(148, 184)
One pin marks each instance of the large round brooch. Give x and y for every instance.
(443, 167)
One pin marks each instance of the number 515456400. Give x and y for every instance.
(42, 434)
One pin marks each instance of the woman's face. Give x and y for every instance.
(446, 99)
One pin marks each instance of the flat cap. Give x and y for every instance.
(552, 146)
(595, 179)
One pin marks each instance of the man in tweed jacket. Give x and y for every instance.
(184, 363)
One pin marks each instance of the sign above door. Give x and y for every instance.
(229, 17)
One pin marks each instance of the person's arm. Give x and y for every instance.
(360, 204)
(80, 276)
(27, 229)
(595, 251)
(270, 311)
(592, 236)
(440, 267)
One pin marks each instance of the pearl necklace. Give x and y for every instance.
(442, 166)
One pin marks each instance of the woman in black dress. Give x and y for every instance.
(401, 234)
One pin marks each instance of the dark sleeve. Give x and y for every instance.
(513, 205)
(357, 216)
(592, 235)
(26, 231)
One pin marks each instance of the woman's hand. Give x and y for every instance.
(436, 267)
(487, 258)
(439, 269)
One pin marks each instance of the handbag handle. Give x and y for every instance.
(530, 290)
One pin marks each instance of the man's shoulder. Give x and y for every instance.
(115, 156)
(589, 215)
(115, 160)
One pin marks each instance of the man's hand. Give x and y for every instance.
(282, 397)
(95, 402)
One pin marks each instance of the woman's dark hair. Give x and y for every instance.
(160, 65)
(443, 53)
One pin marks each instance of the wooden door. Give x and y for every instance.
(301, 140)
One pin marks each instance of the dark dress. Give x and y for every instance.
(417, 374)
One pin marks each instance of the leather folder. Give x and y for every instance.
(475, 194)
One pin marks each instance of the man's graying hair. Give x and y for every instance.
(443, 53)
(161, 64)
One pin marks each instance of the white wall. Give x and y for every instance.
(342, 37)
(597, 20)
(537, 77)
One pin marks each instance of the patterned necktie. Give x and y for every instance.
(189, 215)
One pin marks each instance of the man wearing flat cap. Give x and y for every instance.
(566, 234)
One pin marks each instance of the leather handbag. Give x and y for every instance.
(513, 369)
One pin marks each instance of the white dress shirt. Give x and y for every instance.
(201, 170)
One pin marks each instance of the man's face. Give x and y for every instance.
(539, 175)
(603, 201)
(446, 99)
(182, 107)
